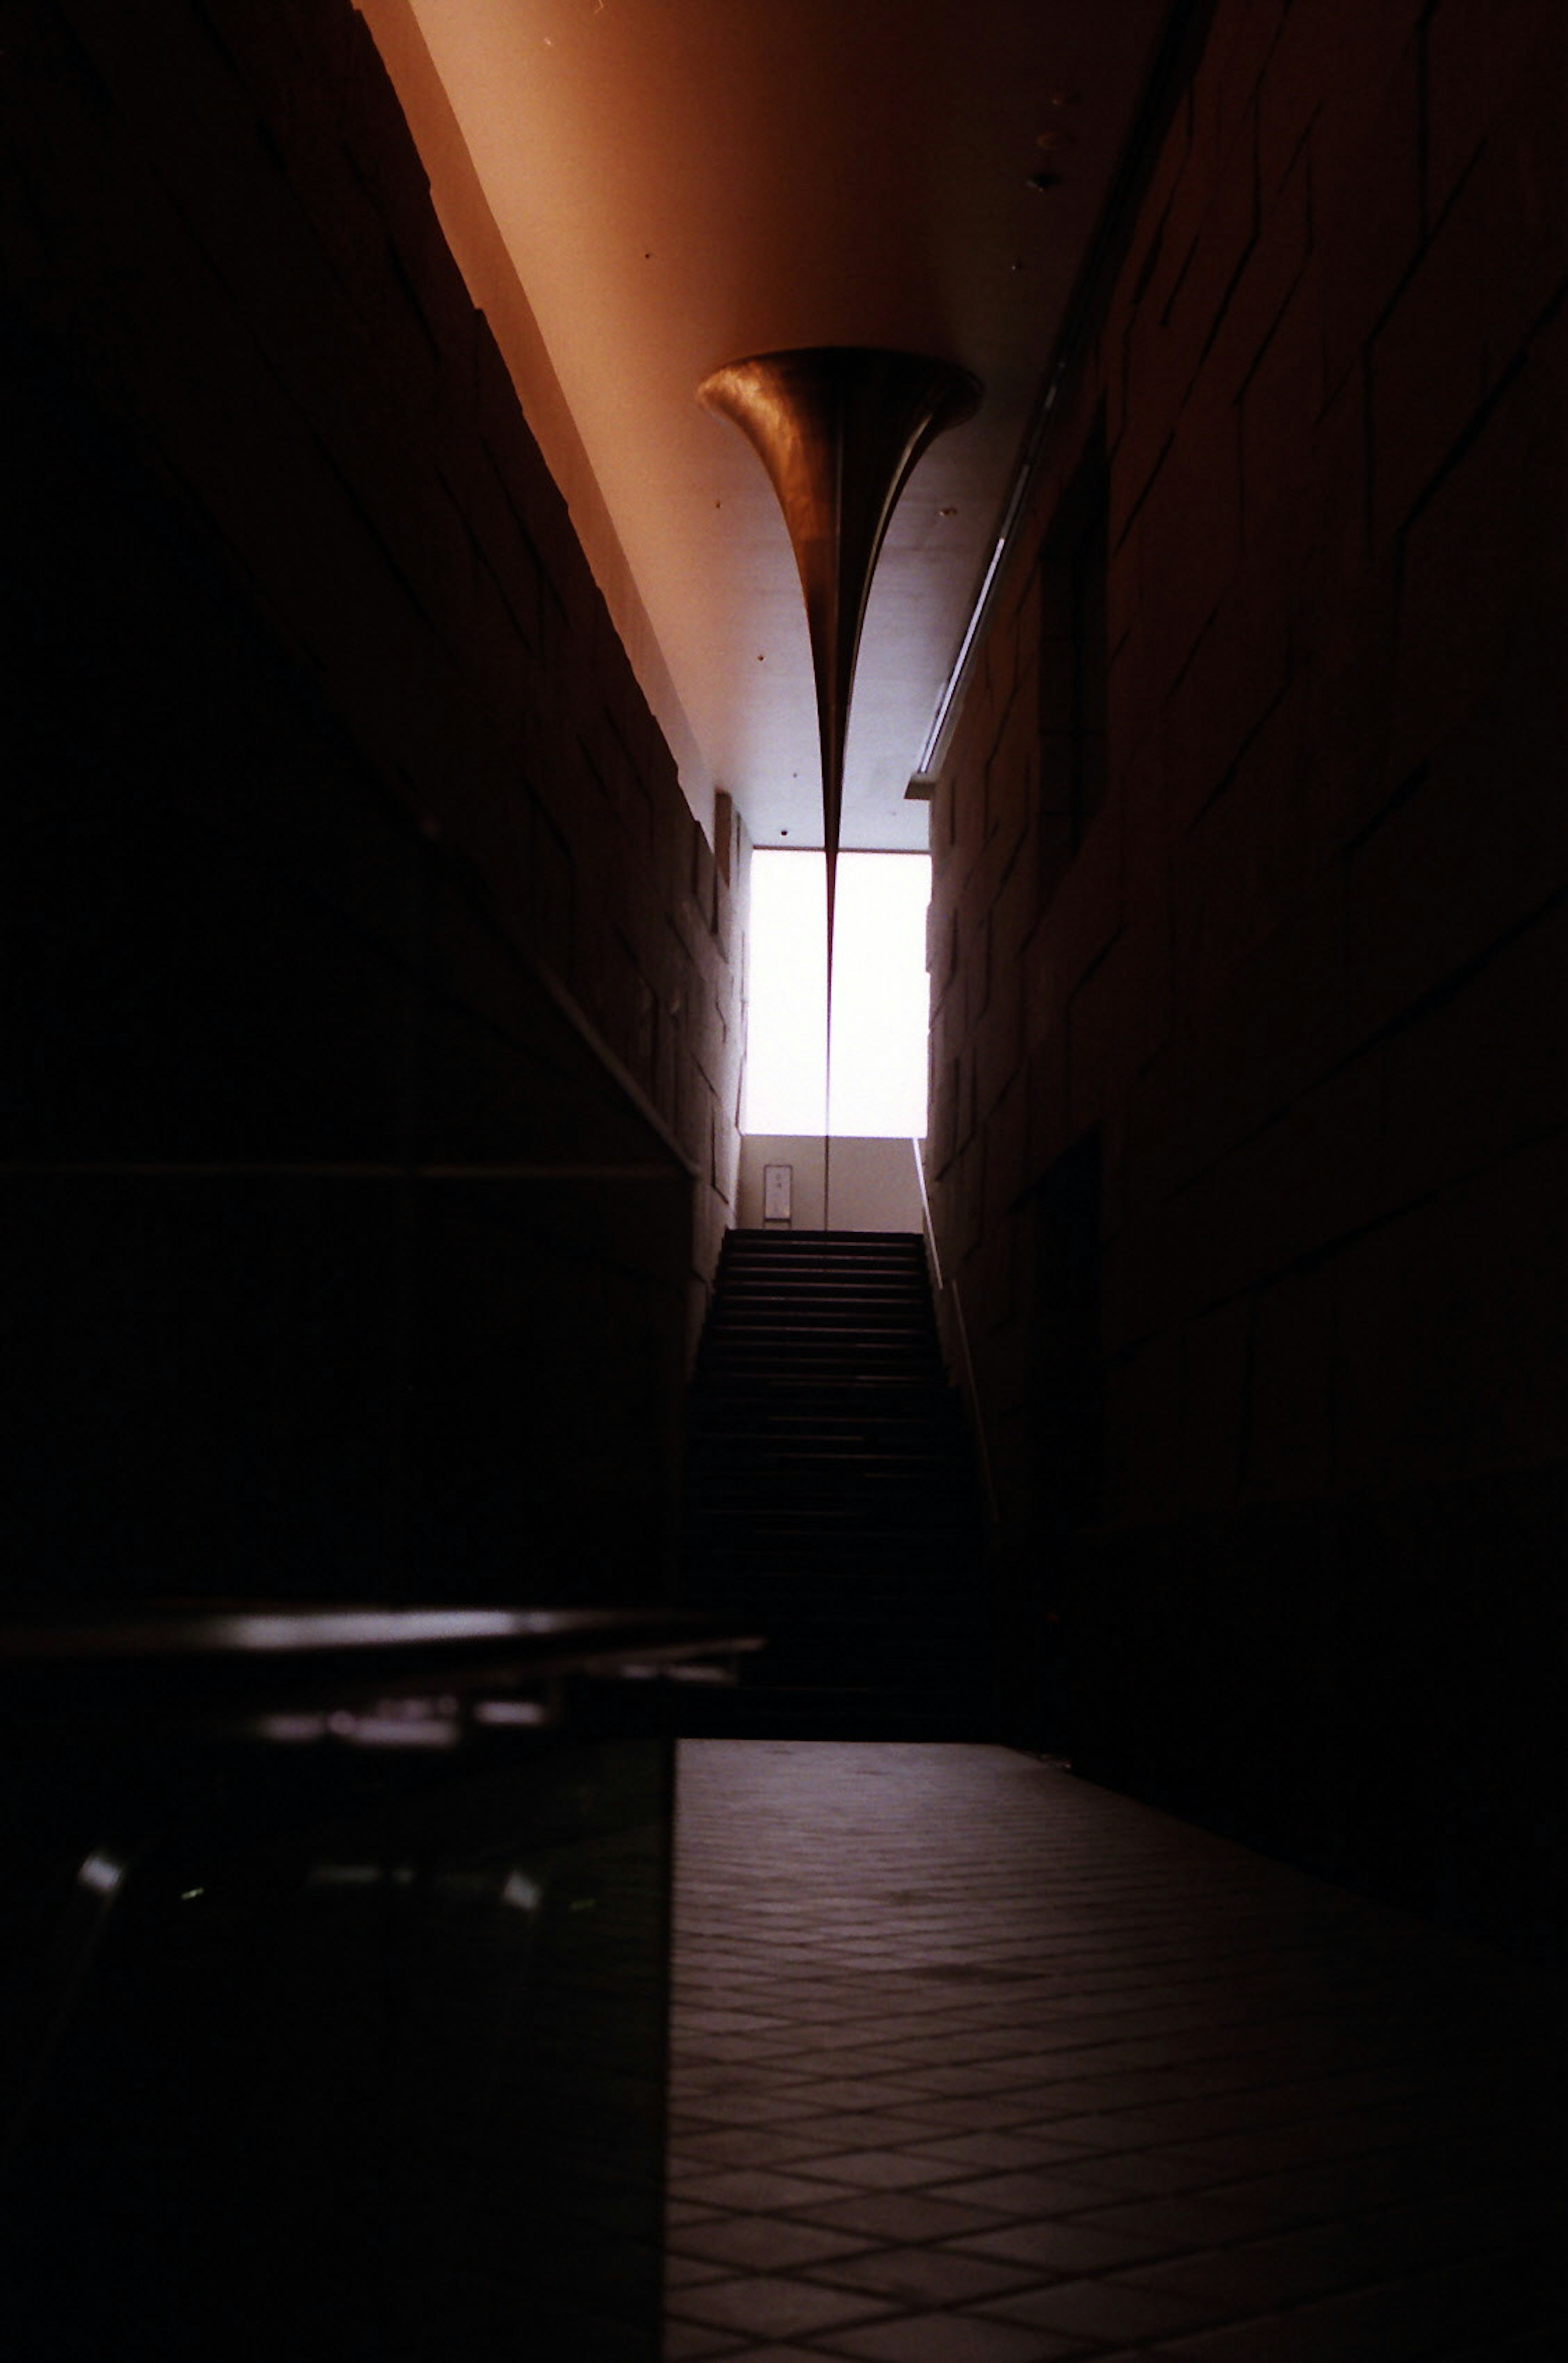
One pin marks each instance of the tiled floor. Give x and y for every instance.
(976, 2063)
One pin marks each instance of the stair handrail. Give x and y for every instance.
(948, 1292)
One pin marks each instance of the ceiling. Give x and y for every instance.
(677, 184)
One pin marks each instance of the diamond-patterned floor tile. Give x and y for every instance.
(764, 2244)
(978, 2064)
(948, 2338)
(771, 2306)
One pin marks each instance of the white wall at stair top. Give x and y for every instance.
(873, 1182)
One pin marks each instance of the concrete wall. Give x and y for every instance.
(873, 1184)
(370, 1123)
(1247, 952)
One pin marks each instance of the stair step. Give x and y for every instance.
(831, 1499)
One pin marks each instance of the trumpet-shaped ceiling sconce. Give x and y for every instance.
(839, 429)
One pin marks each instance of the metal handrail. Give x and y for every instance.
(948, 1292)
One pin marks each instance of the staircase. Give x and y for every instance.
(830, 1499)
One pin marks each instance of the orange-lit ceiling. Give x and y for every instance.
(640, 189)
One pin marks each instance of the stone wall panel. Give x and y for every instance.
(1294, 986)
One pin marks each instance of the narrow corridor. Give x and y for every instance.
(973, 2062)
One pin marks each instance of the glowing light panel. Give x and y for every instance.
(881, 1001)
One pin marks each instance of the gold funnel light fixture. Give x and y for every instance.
(840, 429)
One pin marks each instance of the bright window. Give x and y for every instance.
(881, 1002)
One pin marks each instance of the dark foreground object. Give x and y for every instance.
(334, 1987)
